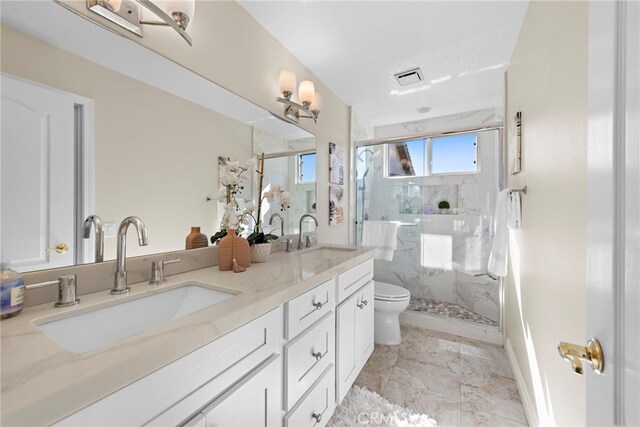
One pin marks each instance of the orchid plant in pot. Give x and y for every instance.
(232, 179)
(260, 241)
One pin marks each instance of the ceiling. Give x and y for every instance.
(355, 48)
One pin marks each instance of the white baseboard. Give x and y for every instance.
(452, 326)
(527, 402)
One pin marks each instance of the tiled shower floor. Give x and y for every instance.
(448, 309)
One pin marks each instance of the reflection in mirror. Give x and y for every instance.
(290, 162)
(129, 142)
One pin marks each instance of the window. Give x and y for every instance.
(454, 154)
(446, 155)
(307, 168)
(407, 158)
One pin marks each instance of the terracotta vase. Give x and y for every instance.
(196, 239)
(260, 252)
(233, 247)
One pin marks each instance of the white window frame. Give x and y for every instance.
(299, 168)
(428, 158)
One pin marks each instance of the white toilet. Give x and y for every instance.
(389, 301)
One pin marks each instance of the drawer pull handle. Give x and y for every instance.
(317, 355)
(363, 304)
(317, 417)
(318, 305)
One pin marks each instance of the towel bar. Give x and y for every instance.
(523, 190)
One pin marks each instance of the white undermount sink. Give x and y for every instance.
(90, 330)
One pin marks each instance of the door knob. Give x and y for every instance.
(62, 248)
(576, 354)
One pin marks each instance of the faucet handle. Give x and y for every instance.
(157, 271)
(307, 241)
(287, 243)
(67, 290)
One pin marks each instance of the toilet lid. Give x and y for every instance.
(387, 291)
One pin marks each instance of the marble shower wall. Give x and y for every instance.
(438, 257)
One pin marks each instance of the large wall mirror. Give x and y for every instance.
(93, 123)
(290, 162)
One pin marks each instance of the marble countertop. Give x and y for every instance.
(41, 382)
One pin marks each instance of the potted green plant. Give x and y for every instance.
(444, 206)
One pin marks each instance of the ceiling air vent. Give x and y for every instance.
(409, 77)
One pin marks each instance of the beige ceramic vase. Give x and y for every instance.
(233, 247)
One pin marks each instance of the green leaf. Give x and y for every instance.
(219, 235)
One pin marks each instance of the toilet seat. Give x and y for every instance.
(388, 292)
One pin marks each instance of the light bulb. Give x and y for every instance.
(316, 104)
(287, 81)
(306, 91)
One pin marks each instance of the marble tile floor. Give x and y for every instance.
(456, 381)
(448, 309)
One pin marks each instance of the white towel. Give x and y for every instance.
(507, 216)
(514, 215)
(382, 236)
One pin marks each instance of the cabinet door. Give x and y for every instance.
(346, 360)
(255, 401)
(354, 332)
(364, 325)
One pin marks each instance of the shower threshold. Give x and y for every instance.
(447, 309)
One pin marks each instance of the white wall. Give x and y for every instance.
(156, 155)
(231, 49)
(545, 291)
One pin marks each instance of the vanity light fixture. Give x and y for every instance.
(310, 99)
(126, 13)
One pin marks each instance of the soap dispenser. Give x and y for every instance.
(11, 291)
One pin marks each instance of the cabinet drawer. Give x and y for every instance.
(307, 357)
(353, 279)
(308, 308)
(317, 405)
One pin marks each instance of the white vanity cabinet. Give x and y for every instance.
(354, 337)
(289, 367)
(174, 393)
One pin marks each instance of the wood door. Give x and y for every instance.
(37, 175)
(613, 160)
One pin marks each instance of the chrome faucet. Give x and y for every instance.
(99, 235)
(120, 284)
(277, 215)
(302, 218)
